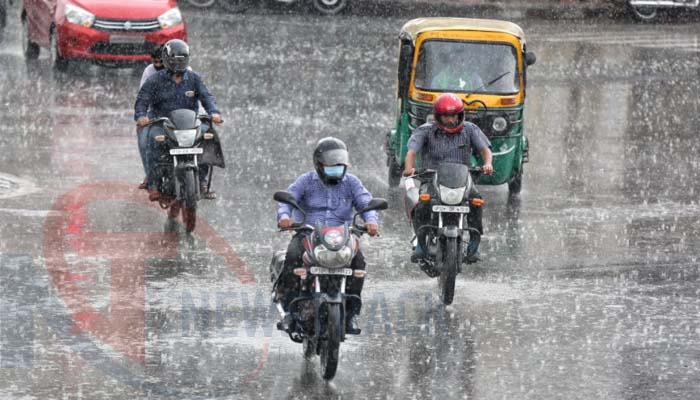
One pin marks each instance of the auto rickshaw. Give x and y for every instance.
(488, 62)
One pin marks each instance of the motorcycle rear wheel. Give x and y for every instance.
(448, 276)
(330, 348)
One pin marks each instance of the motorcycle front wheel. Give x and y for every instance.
(330, 347)
(189, 213)
(448, 275)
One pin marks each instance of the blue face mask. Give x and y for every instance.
(334, 171)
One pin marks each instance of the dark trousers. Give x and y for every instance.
(288, 283)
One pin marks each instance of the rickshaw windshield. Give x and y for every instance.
(473, 67)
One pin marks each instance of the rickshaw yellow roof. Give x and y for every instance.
(415, 27)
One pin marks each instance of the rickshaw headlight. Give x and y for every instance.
(499, 124)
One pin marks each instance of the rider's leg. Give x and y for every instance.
(474, 222)
(287, 284)
(204, 173)
(422, 216)
(153, 152)
(142, 141)
(354, 286)
(287, 281)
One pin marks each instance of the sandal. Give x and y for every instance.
(207, 194)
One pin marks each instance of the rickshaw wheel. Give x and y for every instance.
(516, 183)
(395, 172)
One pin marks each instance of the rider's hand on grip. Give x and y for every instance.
(285, 223)
(372, 229)
(409, 172)
(216, 118)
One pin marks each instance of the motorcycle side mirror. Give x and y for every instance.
(376, 204)
(530, 58)
(287, 198)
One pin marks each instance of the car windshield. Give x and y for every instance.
(467, 67)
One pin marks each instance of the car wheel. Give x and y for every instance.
(234, 6)
(644, 13)
(57, 62)
(201, 3)
(29, 48)
(330, 7)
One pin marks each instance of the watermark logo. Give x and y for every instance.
(74, 251)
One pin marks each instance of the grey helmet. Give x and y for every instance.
(330, 151)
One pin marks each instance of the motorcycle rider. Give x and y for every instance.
(328, 194)
(445, 140)
(141, 135)
(167, 90)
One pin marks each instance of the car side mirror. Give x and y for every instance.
(530, 58)
(287, 198)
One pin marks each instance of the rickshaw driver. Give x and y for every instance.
(455, 76)
(448, 139)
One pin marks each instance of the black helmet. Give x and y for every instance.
(330, 151)
(176, 56)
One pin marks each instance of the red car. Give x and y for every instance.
(107, 32)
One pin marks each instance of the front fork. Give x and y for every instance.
(179, 169)
(321, 298)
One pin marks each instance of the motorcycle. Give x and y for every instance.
(318, 311)
(177, 170)
(446, 193)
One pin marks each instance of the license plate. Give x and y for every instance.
(329, 271)
(179, 152)
(122, 39)
(451, 209)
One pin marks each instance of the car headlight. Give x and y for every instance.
(78, 16)
(452, 196)
(333, 259)
(499, 124)
(170, 18)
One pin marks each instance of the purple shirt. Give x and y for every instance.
(331, 205)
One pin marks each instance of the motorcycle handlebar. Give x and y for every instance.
(426, 171)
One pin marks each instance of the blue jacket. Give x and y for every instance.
(164, 95)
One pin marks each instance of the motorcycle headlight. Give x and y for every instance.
(78, 16)
(185, 138)
(170, 18)
(333, 259)
(452, 196)
(499, 124)
(334, 238)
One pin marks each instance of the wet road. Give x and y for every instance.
(589, 287)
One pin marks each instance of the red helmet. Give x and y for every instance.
(449, 103)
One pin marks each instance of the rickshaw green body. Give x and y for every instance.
(414, 105)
